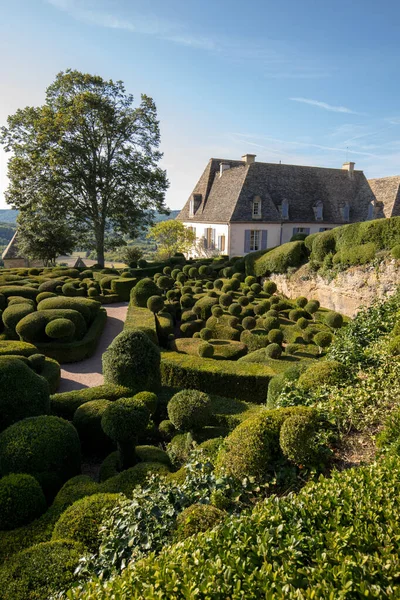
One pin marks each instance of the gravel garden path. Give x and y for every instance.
(88, 373)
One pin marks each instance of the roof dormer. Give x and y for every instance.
(318, 209)
(194, 204)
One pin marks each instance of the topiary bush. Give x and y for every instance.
(46, 447)
(155, 304)
(133, 361)
(167, 430)
(323, 339)
(273, 351)
(334, 320)
(275, 336)
(327, 372)
(205, 350)
(41, 570)
(81, 521)
(13, 314)
(23, 393)
(87, 421)
(197, 518)
(143, 290)
(279, 259)
(190, 410)
(60, 329)
(123, 421)
(21, 500)
(299, 440)
(148, 399)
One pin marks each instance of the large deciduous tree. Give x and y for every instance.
(89, 153)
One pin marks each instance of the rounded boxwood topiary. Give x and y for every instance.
(235, 309)
(256, 288)
(23, 393)
(46, 447)
(271, 322)
(217, 312)
(152, 454)
(249, 323)
(190, 410)
(298, 439)
(206, 333)
(273, 351)
(87, 421)
(132, 360)
(225, 300)
(21, 500)
(396, 251)
(38, 571)
(325, 372)
(123, 421)
(334, 320)
(60, 329)
(148, 399)
(197, 518)
(167, 430)
(155, 304)
(143, 290)
(205, 350)
(302, 323)
(252, 447)
(275, 336)
(296, 313)
(301, 301)
(269, 287)
(312, 306)
(323, 339)
(13, 314)
(81, 521)
(37, 362)
(243, 301)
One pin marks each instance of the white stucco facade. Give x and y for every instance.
(237, 238)
(289, 229)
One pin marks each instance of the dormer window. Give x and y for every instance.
(284, 208)
(345, 210)
(256, 210)
(318, 211)
(194, 204)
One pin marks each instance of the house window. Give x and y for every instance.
(192, 229)
(209, 238)
(284, 208)
(318, 211)
(346, 212)
(321, 229)
(194, 204)
(370, 211)
(221, 243)
(301, 230)
(254, 240)
(257, 207)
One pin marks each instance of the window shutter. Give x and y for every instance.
(295, 230)
(307, 230)
(264, 234)
(212, 238)
(247, 241)
(205, 240)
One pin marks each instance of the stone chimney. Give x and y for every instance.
(249, 159)
(223, 166)
(349, 166)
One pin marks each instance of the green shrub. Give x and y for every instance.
(206, 334)
(39, 571)
(279, 259)
(87, 307)
(190, 410)
(87, 421)
(394, 346)
(23, 393)
(312, 306)
(167, 430)
(269, 287)
(122, 287)
(255, 339)
(13, 314)
(198, 518)
(278, 382)
(180, 448)
(123, 421)
(16, 348)
(206, 303)
(323, 339)
(323, 244)
(334, 320)
(356, 255)
(296, 314)
(152, 454)
(46, 447)
(148, 399)
(271, 322)
(32, 328)
(155, 304)
(205, 350)
(64, 404)
(275, 336)
(396, 251)
(249, 323)
(60, 329)
(326, 372)
(81, 521)
(127, 480)
(19, 290)
(21, 500)
(132, 360)
(298, 439)
(273, 351)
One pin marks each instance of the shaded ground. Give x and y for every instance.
(88, 373)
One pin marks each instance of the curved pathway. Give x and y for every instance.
(88, 373)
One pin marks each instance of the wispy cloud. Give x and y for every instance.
(326, 106)
(273, 59)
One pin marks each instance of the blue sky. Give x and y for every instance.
(301, 81)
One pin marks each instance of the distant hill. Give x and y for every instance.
(8, 215)
(173, 214)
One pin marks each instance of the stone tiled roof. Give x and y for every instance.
(387, 194)
(12, 249)
(229, 197)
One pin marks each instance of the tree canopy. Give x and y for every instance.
(171, 237)
(88, 153)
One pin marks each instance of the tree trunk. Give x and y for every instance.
(99, 233)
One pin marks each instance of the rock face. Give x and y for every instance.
(348, 291)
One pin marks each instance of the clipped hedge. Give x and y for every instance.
(65, 404)
(224, 378)
(280, 259)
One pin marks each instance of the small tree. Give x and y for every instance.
(171, 237)
(131, 254)
(44, 236)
